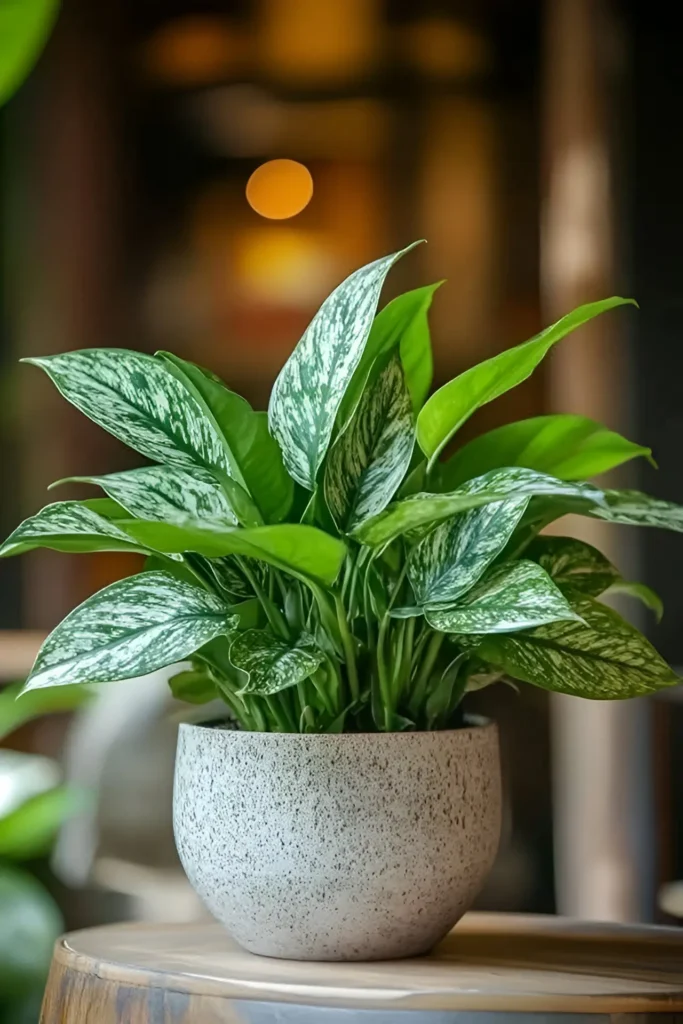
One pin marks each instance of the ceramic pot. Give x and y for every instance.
(337, 847)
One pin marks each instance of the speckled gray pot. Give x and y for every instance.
(342, 847)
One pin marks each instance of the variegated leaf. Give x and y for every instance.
(137, 399)
(228, 576)
(514, 596)
(401, 325)
(632, 508)
(604, 659)
(367, 463)
(165, 493)
(311, 385)
(255, 457)
(133, 627)
(450, 559)
(426, 509)
(573, 563)
(68, 526)
(272, 664)
(293, 547)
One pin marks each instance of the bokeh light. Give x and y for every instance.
(280, 189)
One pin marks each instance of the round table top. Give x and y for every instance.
(488, 962)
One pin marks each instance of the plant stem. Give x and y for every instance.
(433, 648)
(280, 715)
(347, 644)
(273, 614)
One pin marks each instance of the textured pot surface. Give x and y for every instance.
(344, 847)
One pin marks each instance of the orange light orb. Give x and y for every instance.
(280, 189)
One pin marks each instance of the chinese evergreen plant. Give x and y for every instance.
(322, 567)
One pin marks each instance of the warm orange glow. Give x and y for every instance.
(312, 41)
(194, 50)
(444, 49)
(280, 189)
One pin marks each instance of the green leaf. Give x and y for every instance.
(603, 659)
(137, 399)
(454, 403)
(401, 324)
(272, 664)
(368, 461)
(573, 563)
(164, 493)
(450, 559)
(129, 629)
(16, 708)
(193, 687)
(426, 509)
(30, 830)
(68, 526)
(311, 385)
(106, 507)
(293, 547)
(514, 596)
(25, 26)
(632, 508)
(255, 457)
(568, 447)
(31, 923)
(641, 592)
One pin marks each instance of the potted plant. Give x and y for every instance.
(342, 587)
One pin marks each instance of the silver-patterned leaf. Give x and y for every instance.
(367, 463)
(311, 385)
(632, 508)
(293, 547)
(573, 563)
(68, 526)
(426, 509)
(450, 559)
(401, 325)
(255, 457)
(165, 493)
(137, 399)
(272, 664)
(604, 659)
(133, 627)
(514, 596)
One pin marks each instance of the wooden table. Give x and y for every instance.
(493, 969)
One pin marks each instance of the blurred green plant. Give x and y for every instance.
(25, 26)
(29, 918)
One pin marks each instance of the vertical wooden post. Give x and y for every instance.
(600, 750)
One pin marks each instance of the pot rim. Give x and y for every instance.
(475, 724)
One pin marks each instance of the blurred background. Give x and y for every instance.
(144, 202)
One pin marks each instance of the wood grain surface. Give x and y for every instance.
(195, 974)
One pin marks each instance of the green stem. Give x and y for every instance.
(382, 675)
(273, 614)
(433, 648)
(280, 715)
(347, 645)
(388, 697)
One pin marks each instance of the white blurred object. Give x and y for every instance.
(23, 776)
(120, 711)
